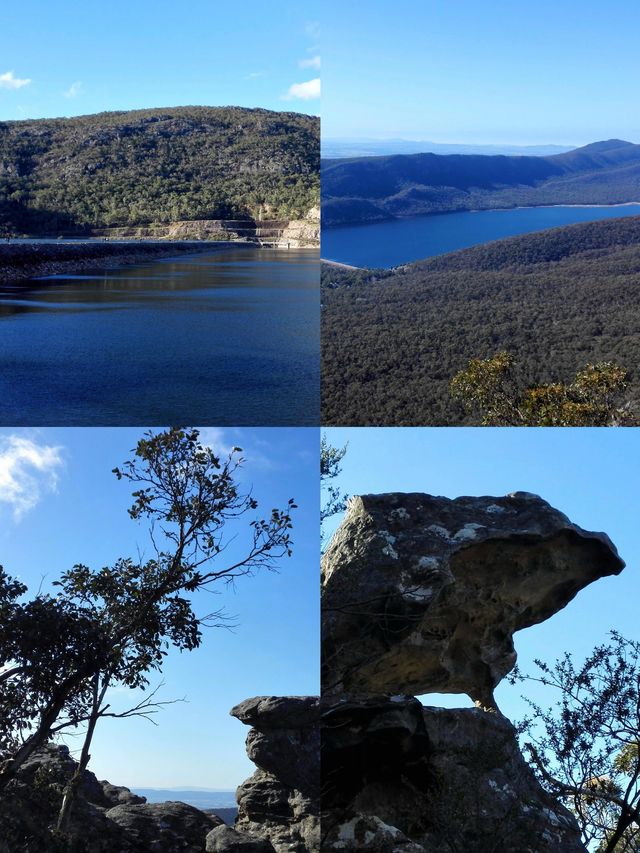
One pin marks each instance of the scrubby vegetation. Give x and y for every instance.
(490, 391)
(162, 165)
(366, 189)
(555, 301)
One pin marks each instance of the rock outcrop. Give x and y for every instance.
(399, 776)
(278, 233)
(106, 818)
(278, 807)
(423, 594)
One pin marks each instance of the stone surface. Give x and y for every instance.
(400, 777)
(225, 839)
(280, 802)
(105, 819)
(423, 594)
(164, 827)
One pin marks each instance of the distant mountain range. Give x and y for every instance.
(392, 340)
(338, 147)
(127, 169)
(201, 798)
(369, 189)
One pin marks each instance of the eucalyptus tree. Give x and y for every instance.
(120, 620)
(585, 748)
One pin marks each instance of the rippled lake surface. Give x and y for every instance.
(387, 244)
(227, 338)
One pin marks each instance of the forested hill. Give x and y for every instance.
(68, 175)
(367, 189)
(392, 340)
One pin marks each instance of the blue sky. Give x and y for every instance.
(591, 475)
(59, 505)
(72, 58)
(508, 71)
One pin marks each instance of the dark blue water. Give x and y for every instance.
(230, 338)
(387, 244)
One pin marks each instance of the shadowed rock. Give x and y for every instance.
(164, 827)
(105, 818)
(423, 594)
(401, 777)
(279, 804)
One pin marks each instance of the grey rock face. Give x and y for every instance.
(105, 818)
(398, 776)
(280, 802)
(225, 839)
(423, 594)
(164, 827)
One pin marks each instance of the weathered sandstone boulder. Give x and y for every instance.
(105, 818)
(164, 827)
(280, 802)
(401, 777)
(423, 594)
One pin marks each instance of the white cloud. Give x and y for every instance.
(304, 91)
(312, 62)
(9, 81)
(74, 90)
(217, 440)
(28, 471)
(254, 75)
(223, 441)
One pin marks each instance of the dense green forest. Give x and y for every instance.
(160, 165)
(392, 340)
(366, 189)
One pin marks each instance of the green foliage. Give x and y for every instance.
(43, 643)
(585, 747)
(114, 625)
(330, 459)
(66, 176)
(489, 387)
(392, 340)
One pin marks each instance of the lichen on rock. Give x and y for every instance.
(423, 594)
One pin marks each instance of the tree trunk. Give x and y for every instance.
(74, 783)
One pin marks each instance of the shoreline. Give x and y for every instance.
(340, 265)
(400, 217)
(26, 260)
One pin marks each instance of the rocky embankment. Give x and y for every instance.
(423, 594)
(283, 233)
(278, 807)
(106, 818)
(29, 260)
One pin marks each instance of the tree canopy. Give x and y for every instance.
(489, 388)
(585, 748)
(71, 175)
(392, 340)
(61, 653)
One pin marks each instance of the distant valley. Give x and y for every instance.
(360, 190)
(393, 340)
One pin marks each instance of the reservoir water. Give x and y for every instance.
(387, 244)
(230, 338)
